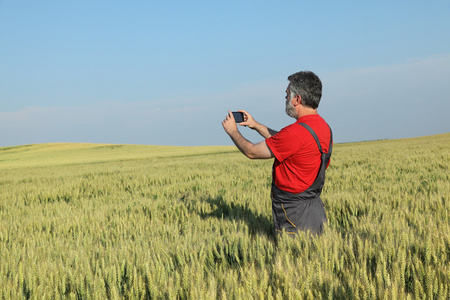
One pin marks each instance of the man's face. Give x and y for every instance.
(290, 110)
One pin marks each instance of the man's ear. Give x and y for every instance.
(297, 100)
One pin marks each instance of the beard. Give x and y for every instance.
(290, 111)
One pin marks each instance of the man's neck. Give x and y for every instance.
(305, 111)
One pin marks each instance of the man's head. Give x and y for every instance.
(308, 86)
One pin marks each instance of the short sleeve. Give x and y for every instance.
(283, 144)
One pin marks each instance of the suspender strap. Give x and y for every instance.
(330, 148)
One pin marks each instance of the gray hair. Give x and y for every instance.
(308, 86)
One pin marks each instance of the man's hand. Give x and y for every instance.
(248, 120)
(249, 149)
(229, 124)
(263, 130)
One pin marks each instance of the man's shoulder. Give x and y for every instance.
(292, 133)
(320, 128)
(296, 128)
(316, 122)
(312, 119)
(291, 129)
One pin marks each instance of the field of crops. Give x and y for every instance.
(90, 221)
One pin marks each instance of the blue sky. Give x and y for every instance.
(167, 72)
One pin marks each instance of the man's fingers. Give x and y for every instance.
(228, 117)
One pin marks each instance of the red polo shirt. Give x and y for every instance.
(297, 157)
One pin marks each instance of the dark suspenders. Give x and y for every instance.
(330, 148)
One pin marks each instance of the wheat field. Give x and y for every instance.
(97, 221)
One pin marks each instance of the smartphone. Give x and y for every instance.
(238, 116)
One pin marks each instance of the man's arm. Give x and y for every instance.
(263, 130)
(252, 151)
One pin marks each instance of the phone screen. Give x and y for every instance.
(238, 117)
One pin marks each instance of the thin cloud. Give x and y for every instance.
(393, 101)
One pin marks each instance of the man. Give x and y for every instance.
(302, 152)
